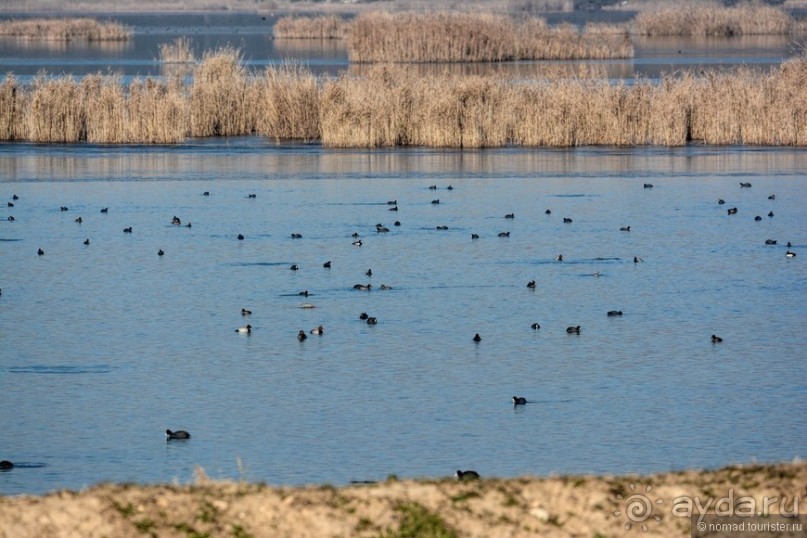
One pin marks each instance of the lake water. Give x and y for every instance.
(104, 346)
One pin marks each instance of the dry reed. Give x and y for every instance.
(391, 105)
(65, 29)
(179, 51)
(711, 19)
(288, 104)
(222, 99)
(458, 37)
(323, 27)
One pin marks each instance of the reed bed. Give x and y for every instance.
(464, 37)
(708, 19)
(65, 29)
(392, 105)
(323, 27)
(180, 51)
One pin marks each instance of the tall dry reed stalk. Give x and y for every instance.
(180, 51)
(392, 105)
(223, 101)
(462, 37)
(714, 19)
(322, 27)
(66, 29)
(289, 103)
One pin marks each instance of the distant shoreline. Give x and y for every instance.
(557, 506)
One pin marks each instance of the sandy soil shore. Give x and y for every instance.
(584, 506)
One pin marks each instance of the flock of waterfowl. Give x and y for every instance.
(319, 330)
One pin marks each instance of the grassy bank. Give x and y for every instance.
(321, 27)
(394, 106)
(65, 29)
(564, 506)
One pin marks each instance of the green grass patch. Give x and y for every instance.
(418, 522)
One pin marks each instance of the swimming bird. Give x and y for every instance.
(433, 188)
(79, 220)
(770, 213)
(477, 338)
(732, 211)
(519, 400)
(363, 316)
(442, 227)
(357, 243)
(772, 197)
(369, 272)
(648, 185)
(63, 208)
(304, 293)
(296, 236)
(716, 339)
(206, 193)
(548, 212)
(385, 287)
(535, 326)
(392, 202)
(160, 252)
(10, 218)
(245, 312)
(327, 265)
(10, 204)
(318, 330)
(625, 229)
(396, 223)
(5, 465)
(531, 284)
(573, 330)
(105, 210)
(474, 236)
(301, 335)
(127, 230)
(467, 475)
(40, 252)
(362, 287)
(244, 330)
(559, 258)
(381, 229)
(744, 185)
(294, 267)
(613, 313)
(510, 216)
(252, 196)
(721, 201)
(567, 220)
(449, 188)
(757, 218)
(394, 208)
(504, 234)
(177, 435)
(436, 201)
(15, 197)
(372, 321)
(789, 245)
(175, 221)
(637, 259)
(790, 254)
(188, 225)
(87, 241)
(770, 241)
(354, 235)
(240, 237)
(307, 305)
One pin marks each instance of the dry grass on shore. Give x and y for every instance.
(65, 29)
(712, 19)
(180, 51)
(555, 507)
(392, 105)
(322, 27)
(461, 37)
